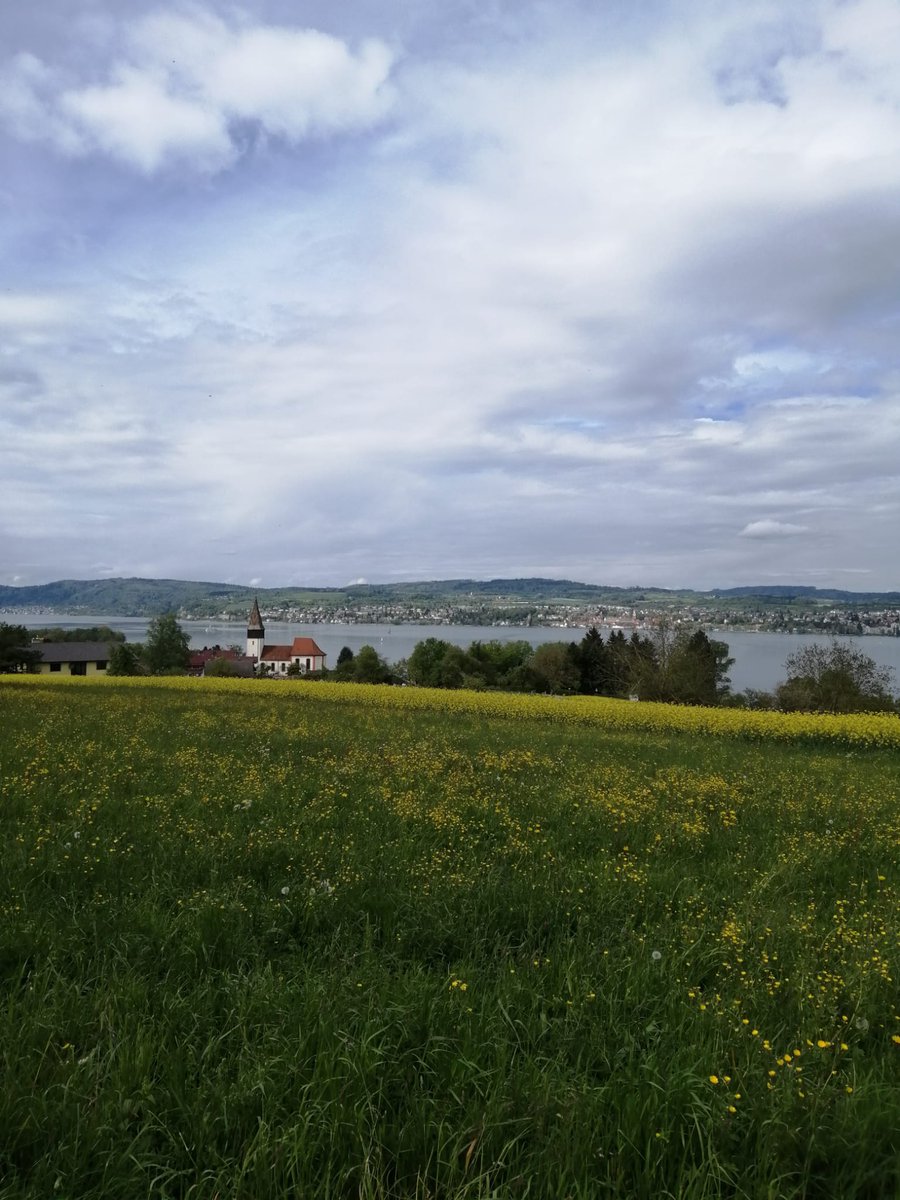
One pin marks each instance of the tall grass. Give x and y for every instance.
(256, 943)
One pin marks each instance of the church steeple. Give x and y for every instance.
(255, 632)
(255, 620)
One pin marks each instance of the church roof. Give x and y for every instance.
(255, 620)
(305, 645)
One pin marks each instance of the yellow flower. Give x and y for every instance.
(713, 1079)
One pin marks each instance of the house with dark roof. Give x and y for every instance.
(238, 664)
(302, 653)
(73, 658)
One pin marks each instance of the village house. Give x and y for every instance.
(238, 664)
(73, 658)
(303, 653)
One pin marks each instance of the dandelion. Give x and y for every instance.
(713, 1079)
(656, 955)
(285, 891)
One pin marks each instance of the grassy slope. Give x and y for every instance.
(253, 944)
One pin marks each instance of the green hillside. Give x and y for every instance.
(147, 597)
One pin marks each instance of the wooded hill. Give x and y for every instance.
(147, 597)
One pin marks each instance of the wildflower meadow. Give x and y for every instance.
(330, 941)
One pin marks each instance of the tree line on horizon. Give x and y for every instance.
(673, 666)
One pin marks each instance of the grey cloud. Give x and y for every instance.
(376, 357)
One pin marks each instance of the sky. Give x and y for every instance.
(309, 293)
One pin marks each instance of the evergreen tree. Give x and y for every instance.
(594, 665)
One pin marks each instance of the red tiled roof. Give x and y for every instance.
(275, 654)
(304, 647)
(199, 658)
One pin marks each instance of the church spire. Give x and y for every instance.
(256, 635)
(255, 620)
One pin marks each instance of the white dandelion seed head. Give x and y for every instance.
(285, 891)
(656, 955)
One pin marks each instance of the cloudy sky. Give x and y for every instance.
(305, 292)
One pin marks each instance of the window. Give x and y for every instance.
(56, 666)
(101, 664)
(78, 668)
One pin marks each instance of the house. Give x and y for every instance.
(73, 658)
(238, 664)
(302, 653)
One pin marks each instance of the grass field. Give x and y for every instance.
(273, 940)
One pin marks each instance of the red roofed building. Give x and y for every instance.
(303, 653)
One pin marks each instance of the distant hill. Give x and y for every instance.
(148, 597)
(790, 592)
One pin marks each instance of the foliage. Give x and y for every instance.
(836, 678)
(685, 669)
(440, 943)
(124, 660)
(16, 651)
(222, 668)
(90, 633)
(555, 668)
(167, 647)
(370, 667)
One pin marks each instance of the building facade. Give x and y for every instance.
(303, 654)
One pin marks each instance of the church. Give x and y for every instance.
(275, 660)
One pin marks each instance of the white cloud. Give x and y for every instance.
(181, 85)
(33, 310)
(136, 120)
(772, 529)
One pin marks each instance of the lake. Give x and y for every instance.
(759, 657)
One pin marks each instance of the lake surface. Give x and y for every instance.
(759, 657)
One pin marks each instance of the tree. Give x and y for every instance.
(556, 668)
(90, 633)
(166, 648)
(595, 665)
(370, 667)
(123, 660)
(345, 667)
(835, 678)
(426, 662)
(16, 652)
(643, 665)
(696, 671)
(619, 663)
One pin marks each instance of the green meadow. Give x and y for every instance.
(275, 940)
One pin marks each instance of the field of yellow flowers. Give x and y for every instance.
(287, 940)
